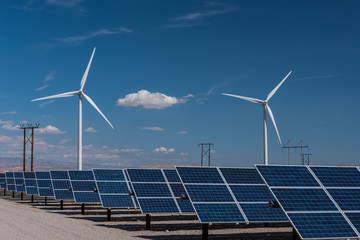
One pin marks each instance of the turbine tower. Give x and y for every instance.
(80, 94)
(266, 108)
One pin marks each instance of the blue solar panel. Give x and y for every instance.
(83, 186)
(241, 176)
(9, 174)
(347, 199)
(251, 193)
(151, 190)
(19, 181)
(217, 212)
(260, 212)
(304, 199)
(20, 188)
(42, 175)
(2, 180)
(44, 184)
(158, 205)
(81, 175)
(227, 189)
(11, 187)
(63, 194)
(116, 201)
(338, 176)
(154, 187)
(199, 175)
(46, 192)
(61, 184)
(59, 175)
(354, 218)
(172, 175)
(86, 197)
(18, 175)
(294, 176)
(209, 193)
(30, 183)
(109, 175)
(10, 181)
(145, 175)
(322, 225)
(114, 188)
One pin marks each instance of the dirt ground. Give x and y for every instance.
(21, 219)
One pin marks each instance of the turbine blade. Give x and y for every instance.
(83, 80)
(67, 94)
(277, 87)
(94, 105)
(254, 100)
(273, 120)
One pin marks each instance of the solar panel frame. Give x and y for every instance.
(81, 194)
(338, 210)
(193, 179)
(157, 202)
(117, 195)
(60, 181)
(10, 181)
(2, 180)
(19, 181)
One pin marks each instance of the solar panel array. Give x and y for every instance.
(19, 181)
(2, 180)
(83, 186)
(320, 202)
(114, 188)
(61, 185)
(30, 183)
(10, 181)
(44, 185)
(158, 191)
(228, 195)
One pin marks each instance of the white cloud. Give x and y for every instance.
(91, 129)
(131, 150)
(164, 150)
(64, 3)
(182, 132)
(50, 76)
(184, 153)
(212, 151)
(10, 127)
(6, 122)
(9, 113)
(42, 87)
(43, 104)
(49, 130)
(62, 142)
(150, 100)
(152, 128)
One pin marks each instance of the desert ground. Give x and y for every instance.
(21, 219)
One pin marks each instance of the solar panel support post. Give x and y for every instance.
(32, 198)
(148, 222)
(13, 194)
(61, 204)
(21, 196)
(266, 224)
(296, 235)
(205, 231)
(4, 192)
(205, 152)
(83, 208)
(108, 214)
(45, 201)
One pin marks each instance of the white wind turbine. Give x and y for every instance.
(80, 93)
(266, 107)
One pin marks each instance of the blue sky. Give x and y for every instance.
(160, 68)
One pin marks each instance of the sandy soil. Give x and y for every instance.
(21, 219)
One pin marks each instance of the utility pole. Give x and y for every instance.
(305, 158)
(30, 139)
(205, 151)
(299, 145)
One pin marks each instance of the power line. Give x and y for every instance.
(205, 152)
(300, 145)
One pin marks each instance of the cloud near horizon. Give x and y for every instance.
(49, 130)
(164, 150)
(150, 100)
(152, 128)
(91, 130)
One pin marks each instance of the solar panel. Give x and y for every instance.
(61, 184)
(83, 186)
(228, 195)
(10, 181)
(158, 191)
(19, 181)
(324, 203)
(30, 183)
(114, 188)
(2, 180)
(44, 185)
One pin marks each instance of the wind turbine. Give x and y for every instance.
(267, 108)
(80, 93)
